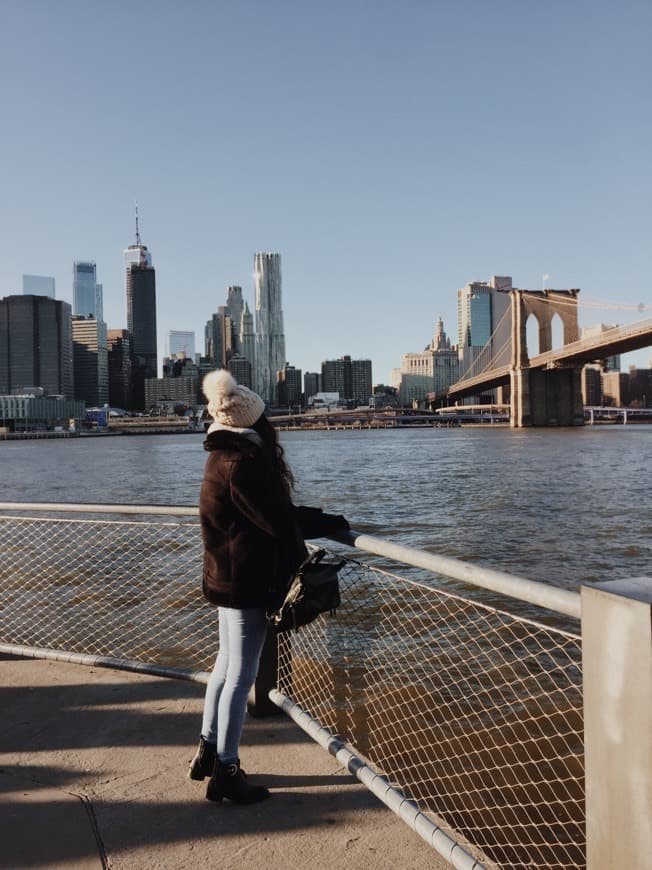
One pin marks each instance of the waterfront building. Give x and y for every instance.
(141, 315)
(38, 285)
(288, 386)
(615, 389)
(240, 368)
(323, 400)
(311, 385)
(361, 381)
(180, 384)
(180, 341)
(182, 390)
(352, 379)
(592, 385)
(90, 360)
(86, 292)
(384, 396)
(640, 387)
(431, 371)
(612, 363)
(484, 316)
(119, 353)
(218, 338)
(30, 412)
(270, 339)
(35, 345)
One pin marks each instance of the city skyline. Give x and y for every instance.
(390, 158)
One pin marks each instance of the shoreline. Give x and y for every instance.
(38, 436)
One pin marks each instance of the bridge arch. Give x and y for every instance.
(557, 332)
(542, 396)
(533, 334)
(544, 305)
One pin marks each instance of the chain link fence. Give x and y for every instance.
(475, 714)
(124, 589)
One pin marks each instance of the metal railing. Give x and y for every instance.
(474, 714)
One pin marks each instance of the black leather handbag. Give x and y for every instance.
(314, 589)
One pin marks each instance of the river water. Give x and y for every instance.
(557, 505)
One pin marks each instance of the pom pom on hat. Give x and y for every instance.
(229, 403)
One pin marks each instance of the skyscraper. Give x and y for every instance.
(484, 319)
(431, 371)
(234, 308)
(240, 368)
(218, 338)
(141, 315)
(35, 345)
(289, 386)
(350, 378)
(311, 384)
(270, 340)
(120, 356)
(86, 292)
(38, 285)
(248, 337)
(181, 341)
(91, 361)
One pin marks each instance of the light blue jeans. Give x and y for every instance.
(242, 634)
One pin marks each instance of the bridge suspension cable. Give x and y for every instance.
(477, 361)
(494, 360)
(588, 302)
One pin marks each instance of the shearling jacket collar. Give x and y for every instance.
(225, 439)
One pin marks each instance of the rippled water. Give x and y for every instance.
(561, 506)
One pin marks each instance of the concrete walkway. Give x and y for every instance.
(93, 775)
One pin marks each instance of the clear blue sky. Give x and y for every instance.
(390, 151)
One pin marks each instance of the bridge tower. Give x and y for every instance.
(544, 397)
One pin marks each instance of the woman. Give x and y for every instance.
(253, 543)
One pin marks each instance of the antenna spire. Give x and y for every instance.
(137, 230)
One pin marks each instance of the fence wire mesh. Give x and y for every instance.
(125, 589)
(474, 713)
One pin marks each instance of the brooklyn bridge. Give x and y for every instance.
(539, 389)
(544, 389)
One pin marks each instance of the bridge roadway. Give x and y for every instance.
(620, 339)
(93, 775)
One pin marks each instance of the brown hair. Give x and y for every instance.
(270, 440)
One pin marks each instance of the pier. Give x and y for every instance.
(93, 775)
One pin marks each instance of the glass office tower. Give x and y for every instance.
(86, 292)
(38, 285)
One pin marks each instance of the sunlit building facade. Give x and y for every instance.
(270, 338)
(90, 359)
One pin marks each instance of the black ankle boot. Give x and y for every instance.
(204, 761)
(230, 781)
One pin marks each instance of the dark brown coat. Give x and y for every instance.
(253, 534)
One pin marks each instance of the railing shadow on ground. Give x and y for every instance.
(144, 808)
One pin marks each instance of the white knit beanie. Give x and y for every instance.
(229, 403)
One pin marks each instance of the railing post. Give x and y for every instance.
(617, 665)
(258, 703)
